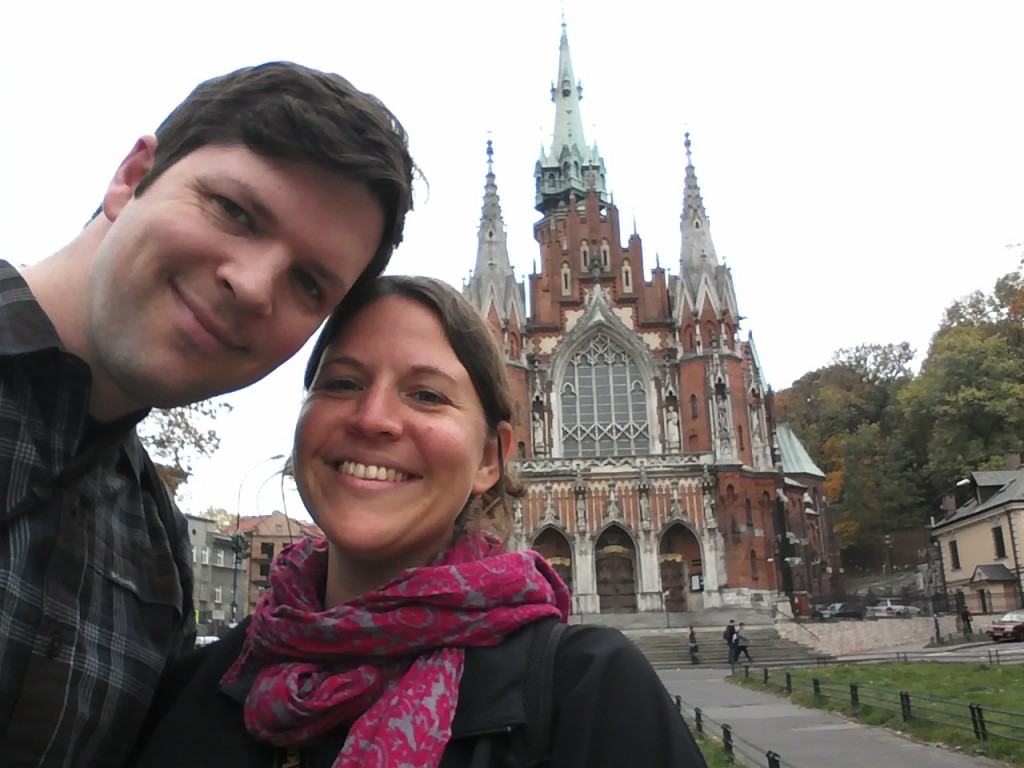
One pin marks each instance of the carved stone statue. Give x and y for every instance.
(581, 512)
(539, 446)
(709, 510)
(613, 512)
(676, 509)
(671, 429)
(645, 511)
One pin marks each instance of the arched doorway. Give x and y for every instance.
(554, 547)
(679, 560)
(616, 569)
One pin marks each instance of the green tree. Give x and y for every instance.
(967, 403)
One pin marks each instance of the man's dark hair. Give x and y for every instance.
(285, 111)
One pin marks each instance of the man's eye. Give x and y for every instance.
(308, 284)
(234, 211)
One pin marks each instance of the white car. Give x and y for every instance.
(886, 607)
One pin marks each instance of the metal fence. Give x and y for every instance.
(984, 722)
(733, 744)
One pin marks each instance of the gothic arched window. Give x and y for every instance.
(604, 403)
(566, 279)
(585, 254)
(627, 277)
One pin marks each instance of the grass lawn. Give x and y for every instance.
(991, 687)
(714, 754)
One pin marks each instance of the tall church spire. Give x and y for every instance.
(698, 249)
(571, 166)
(493, 284)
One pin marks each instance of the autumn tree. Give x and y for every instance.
(177, 437)
(221, 517)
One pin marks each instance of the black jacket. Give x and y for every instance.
(611, 710)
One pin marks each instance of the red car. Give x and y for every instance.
(1010, 627)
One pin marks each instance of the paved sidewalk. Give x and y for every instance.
(803, 738)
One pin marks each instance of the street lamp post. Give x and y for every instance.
(238, 542)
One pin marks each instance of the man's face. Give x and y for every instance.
(219, 272)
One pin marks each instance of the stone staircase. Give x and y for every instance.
(668, 648)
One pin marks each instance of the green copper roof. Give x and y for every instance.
(795, 459)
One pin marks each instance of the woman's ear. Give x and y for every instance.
(494, 458)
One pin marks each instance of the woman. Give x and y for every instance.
(402, 638)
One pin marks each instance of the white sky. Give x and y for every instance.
(861, 162)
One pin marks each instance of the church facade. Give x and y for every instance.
(657, 479)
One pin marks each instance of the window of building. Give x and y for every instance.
(585, 254)
(997, 540)
(264, 570)
(693, 407)
(753, 565)
(566, 279)
(193, 553)
(604, 403)
(627, 277)
(739, 432)
(954, 556)
(206, 556)
(605, 253)
(267, 549)
(737, 534)
(750, 514)
(220, 557)
(218, 594)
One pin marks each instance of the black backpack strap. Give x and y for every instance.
(539, 693)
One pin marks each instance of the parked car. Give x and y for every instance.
(1009, 627)
(838, 611)
(887, 607)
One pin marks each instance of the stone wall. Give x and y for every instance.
(844, 637)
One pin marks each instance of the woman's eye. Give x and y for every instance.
(428, 397)
(338, 385)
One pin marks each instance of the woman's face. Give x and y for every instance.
(391, 440)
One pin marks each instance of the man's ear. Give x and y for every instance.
(133, 169)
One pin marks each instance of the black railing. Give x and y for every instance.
(732, 744)
(984, 722)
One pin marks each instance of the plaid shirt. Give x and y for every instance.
(90, 595)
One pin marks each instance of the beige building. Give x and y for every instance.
(982, 543)
(265, 536)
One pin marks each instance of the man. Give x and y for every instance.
(221, 245)
(694, 646)
(729, 635)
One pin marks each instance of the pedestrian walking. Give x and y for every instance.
(728, 635)
(694, 646)
(965, 621)
(741, 643)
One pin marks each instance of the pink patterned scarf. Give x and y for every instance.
(390, 660)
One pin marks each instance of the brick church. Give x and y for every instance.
(658, 480)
